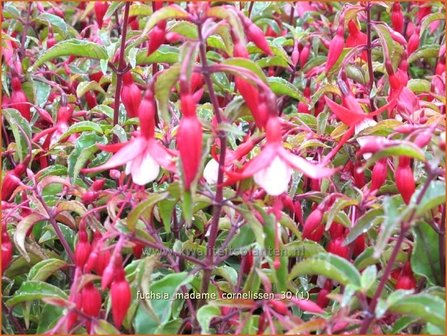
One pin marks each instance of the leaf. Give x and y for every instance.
(433, 197)
(338, 206)
(22, 228)
(164, 54)
(425, 254)
(162, 292)
(166, 208)
(71, 47)
(137, 9)
(427, 307)
(163, 85)
(425, 52)
(419, 85)
(35, 290)
(84, 87)
(403, 148)
(364, 223)
(169, 12)
(247, 64)
(16, 121)
(42, 92)
(204, 316)
(143, 207)
(45, 268)
(328, 265)
(369, 276)
(57, 23)
(102, 327)
(303, 249)
(391, 220)
(143, 279)
(114, 6)
(280, 86)
(429, 19)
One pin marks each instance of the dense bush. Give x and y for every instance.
(256, 167)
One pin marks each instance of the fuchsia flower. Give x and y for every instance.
(273, 167)
(143, 155)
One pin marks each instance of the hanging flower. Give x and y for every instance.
(143, 155)
(272, 168)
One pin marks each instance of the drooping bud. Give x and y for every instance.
(313, 226)
(356, 38)
(248, 262)
(157, 37)
(90, 98)
(189, 140)
(121, 296)
(256, 35)
(378, 175)
(98, 184)
(413, 43)
(397, 18)
(19, 100)
(82, 249)
(279, 306)
(304, 56)
(337, 247)
(100, 9)
(7, 249)
(423, 139)
(146, 114)
(336, 230)
(359, 245)
(406, 282)
(89, 197)
(130, 95)
(405, 179)
(91, 300)
(335, 48)
(12, 179)
(295, 54)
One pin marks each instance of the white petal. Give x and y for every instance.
(367, 122)
(144, 169)
(275, 178)
(211, 171)
(362, 141)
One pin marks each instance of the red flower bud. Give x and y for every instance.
(82, 250)
(313, 226)
(121, 295)
(12, 179)
(256, 35)
(295, 54)
(130, 95)
(138, 250)
(248, 264)
(7, 249)
(189, 140)
(379, 174)
(359, 245)
(90, 98)
(337, 247)
(322, 299)
(91, 300)
(279, 306)
(18, 99)
(404, 179)
(157, 37)
(397, 18)
(72, 316)
(356, 38)
(336, 230)
(335, 48)
(359, 176)
(304, 55)
(406, 282)
(413, 43)
(423, 139)
(98, 184)
(100, 10)
(89, 197)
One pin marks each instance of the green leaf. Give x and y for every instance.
(143, 279)
(143, 207)
(114, 6)
(280, 86)
(44, 269)
(22, 228)
(369, 276)
(35, 290)
(429, 19)
(84, 87)
(162, 292)
(247, 64)
(427, 307)
(163, 85)
(16, 121)
(137, 9)
(42, 92)
(169, 12)
(391, 220)
(425, 254)
(328, 265)
(433, 197)
(204, 316)
(82, 126)
(102, 327)
(164, 54)
(419, 85)
(166, 208)
(71, 47)
(57, 23)
(404, 148)
(303, 249)
(426, 52)
(364, 223)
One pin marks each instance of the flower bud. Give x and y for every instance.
(82, 249)
(279, 306)
(404, 179)
(423, 139)
(336, 230)
(7, 249)
(397, 18)
(413, 43)
(335, 47)
(18, 99)
(89, 197)
(406, 282)
(337, 247)
(256, 35)
(378, 175)
(248, 264)
(313, 226)
(322, 299)
(130, 95)
(157, 37)
(98, 184)
(90, 98)
(91, 300)
(304, 56)
(121, 295)
(295, 54)
(100, 9)
(359, 245)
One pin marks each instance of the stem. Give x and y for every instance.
(57, 229)
(13, 319)
(121, 66)
(369, 54)
(219, 188)
(442, 247)
(405, 227)
(25, 31)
